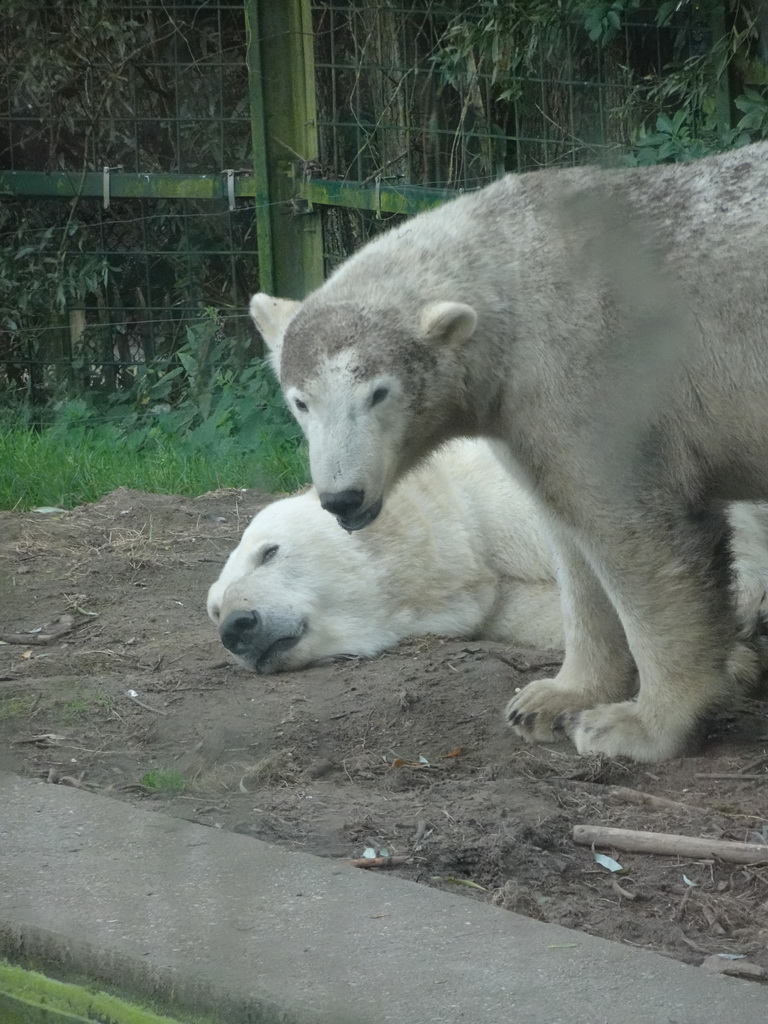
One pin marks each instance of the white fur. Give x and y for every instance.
(272, 316)
(610, 329)
(461, 551)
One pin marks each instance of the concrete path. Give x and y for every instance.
(245, 932)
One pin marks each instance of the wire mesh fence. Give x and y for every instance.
(126, 289)
(406, 103)
(140, 84)
(451, 95)
(92, 289)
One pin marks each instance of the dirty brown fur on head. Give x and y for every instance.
(333, 328)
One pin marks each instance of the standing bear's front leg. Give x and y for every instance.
(668, 580)
(598, 665)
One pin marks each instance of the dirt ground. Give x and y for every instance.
(406, 752)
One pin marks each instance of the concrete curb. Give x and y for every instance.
(197, 920)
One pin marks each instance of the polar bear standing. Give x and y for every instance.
(610, 330)
(459, 551)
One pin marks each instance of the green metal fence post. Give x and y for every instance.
(282, 95)
(722, 90)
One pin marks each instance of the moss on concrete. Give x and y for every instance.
(27, 997)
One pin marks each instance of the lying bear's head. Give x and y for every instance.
(296, 590)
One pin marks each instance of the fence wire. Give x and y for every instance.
(87, 293)
(439, 94)
(451, 95)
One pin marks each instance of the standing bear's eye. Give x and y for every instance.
(301, 406)
(379, 395)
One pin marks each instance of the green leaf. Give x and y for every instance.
(665, 11)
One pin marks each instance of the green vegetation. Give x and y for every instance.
(74, 709)
(189, 424)
(166, 781)
(112, 371)
(65, 468)
(78, 707)
(27, 996)
(12, 706)
(679, 79)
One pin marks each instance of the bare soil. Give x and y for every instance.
(407, 752)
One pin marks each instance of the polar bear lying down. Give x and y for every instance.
(462, 552)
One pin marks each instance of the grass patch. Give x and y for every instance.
(74, 710)
(205, 417)
(166, 781)
(10, 707)
(68, 467)
(81, 706)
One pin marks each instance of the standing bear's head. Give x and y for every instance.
(374, 390)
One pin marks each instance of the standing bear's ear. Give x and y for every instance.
(447, 323)
(272, 316)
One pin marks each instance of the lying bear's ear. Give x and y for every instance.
(449, 323)
(272, 316)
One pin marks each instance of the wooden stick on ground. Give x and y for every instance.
(669, 844)
(147, 707)
(629, 796)
(35, 639)
(63, 625)
(636, 796)
(731, 775)
(379, 862)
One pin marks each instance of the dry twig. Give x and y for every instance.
(147, 707)
(63, 626)
(379, 862)
(730, 775)
(669, 844)
(631, 796)
(622, 892)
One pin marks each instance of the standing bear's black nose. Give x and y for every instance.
(342, 503)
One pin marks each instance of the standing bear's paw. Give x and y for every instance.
(624, 730)
(547, 710)
(538, 711)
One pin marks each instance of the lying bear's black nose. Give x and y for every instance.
(237, 631)
(342, 503)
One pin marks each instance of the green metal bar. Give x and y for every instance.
(266, 277)
(406, 199)
(122, 185)
(290, 136)
(722, 85)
